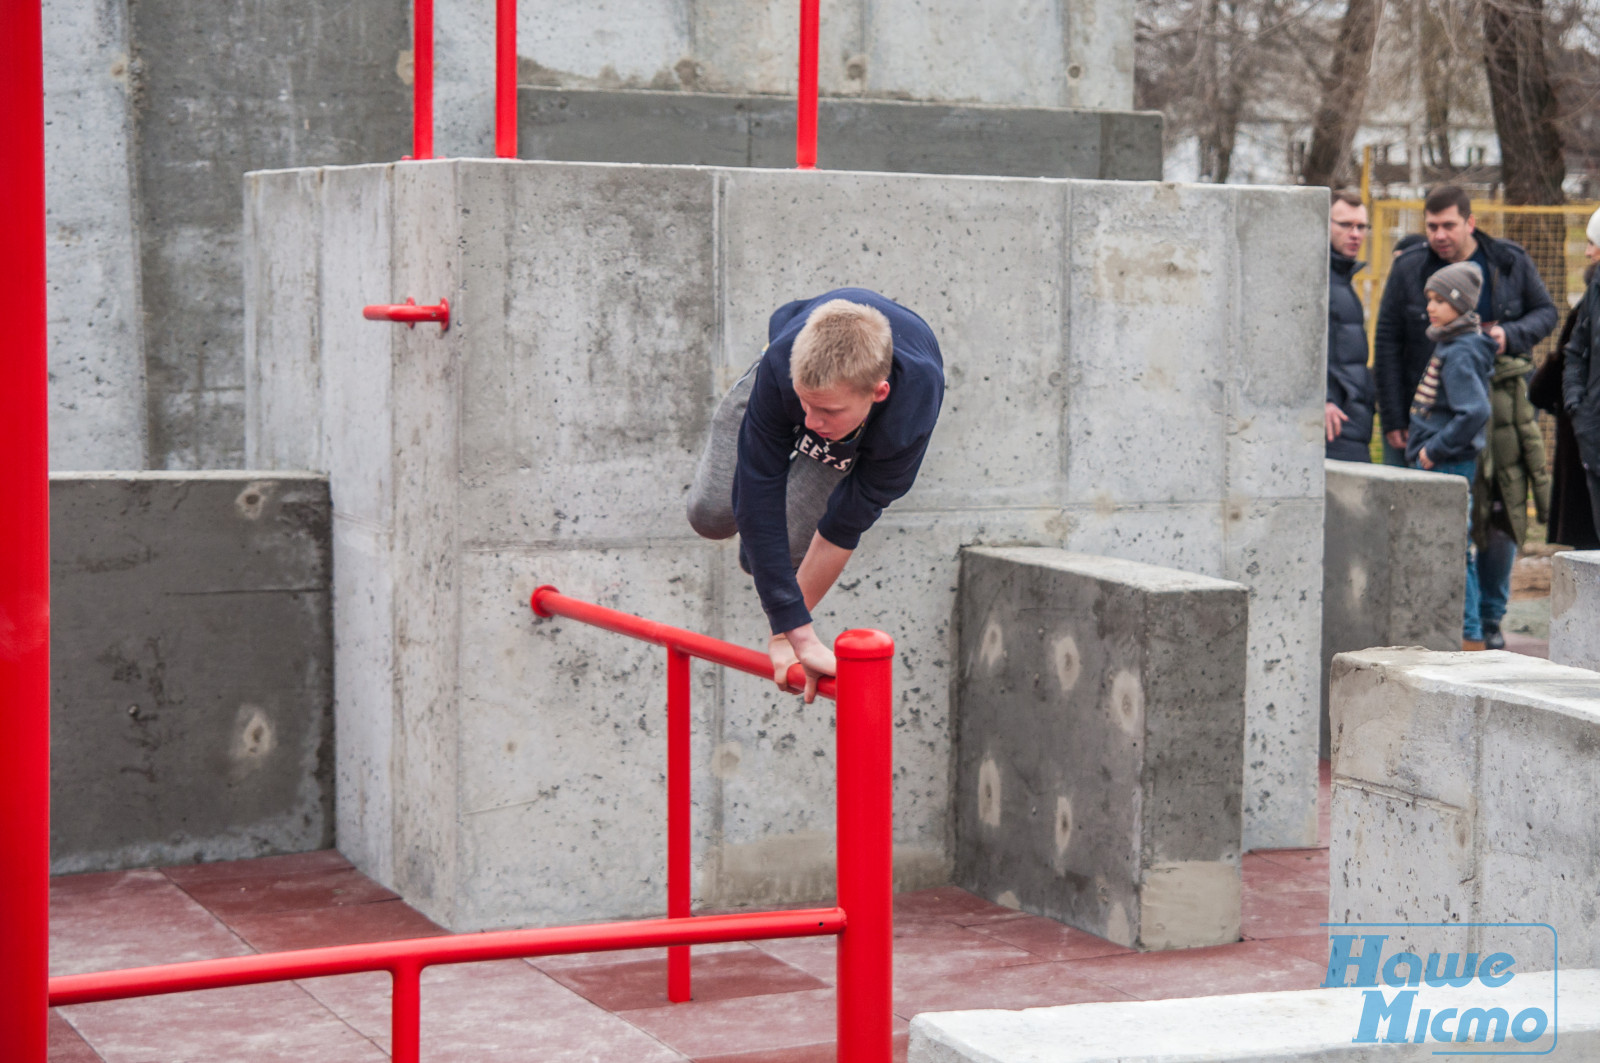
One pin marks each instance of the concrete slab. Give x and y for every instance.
(1575, 609)
(1100, 746)
(1393, 570)
(191, 667)
(1317, 1024)
(1444, 809)
(600, 311)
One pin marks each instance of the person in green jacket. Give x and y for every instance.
(1511, 466)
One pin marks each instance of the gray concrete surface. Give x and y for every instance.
(1464, 791)
(1315, 1025)
(1575, 609)
(156, 111)
(1135, 370)
(191, 667)
(1099, 747)
(721, 129)
(1070, 53)
(1394, 573)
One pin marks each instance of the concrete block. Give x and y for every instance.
(599, 313)
(1443, 804)
(1575, 609)
(897, 136)
(1316, 1026)
(1100, 743)
(1393, 569)
(191, 668)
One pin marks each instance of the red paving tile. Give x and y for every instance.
(131, 922)
(1313, 947)
(313, 889)
(595, 959)
(495, 1013)
(1283, 914)
(315, 927)
(1270, 877)
(278, 1023)
(944, 902)
(106, 882)
(1312, 862)
(271, 868)
(66, 1046)
(1033, 985)
(718, 1028)
(714, 976)
(1247, 967)
(926, 947)
(805, 1054)
(1048, 939)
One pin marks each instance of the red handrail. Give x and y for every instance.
(505, 79)
(24, 545)
(805, 127)
(409, 313)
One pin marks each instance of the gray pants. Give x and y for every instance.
(711, 495)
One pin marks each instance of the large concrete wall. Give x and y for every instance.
(1100, 743)
(1394, 572)
(1024, 53)
(191, 663)
(1464, 795)
(155, 113)
(894, 136)
(1135, 370)
(1575, 608)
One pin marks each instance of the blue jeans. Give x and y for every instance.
(1395, 456)
(1471, 615)
(1494, 576)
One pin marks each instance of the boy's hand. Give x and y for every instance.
(812, 654)
(783, 657)
(1333, 420)
(1423, 459)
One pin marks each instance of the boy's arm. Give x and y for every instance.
(818, 573)
(1470, 399)
(760, 503)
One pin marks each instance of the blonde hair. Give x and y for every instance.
(842, 343)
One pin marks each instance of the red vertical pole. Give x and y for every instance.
(24, 547)
(422, 80)
(505, 79)
(805, 129)
(678, 989)
(405, 1013)
(866, 845)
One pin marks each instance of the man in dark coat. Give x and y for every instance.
(1515, 307)
(1347, 417)
(1580, 379)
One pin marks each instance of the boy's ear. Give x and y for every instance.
(880, 392)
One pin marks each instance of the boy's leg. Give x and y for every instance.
(1471, 613)
(711, 494)
(810, 485)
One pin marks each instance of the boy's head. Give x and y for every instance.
(840, 366)
(1453, 291)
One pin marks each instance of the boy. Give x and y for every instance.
(1450, 410)
(827, 428)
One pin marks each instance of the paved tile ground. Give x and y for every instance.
(759, 1002)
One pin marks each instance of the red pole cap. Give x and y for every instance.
(863, 644)
(534, 601)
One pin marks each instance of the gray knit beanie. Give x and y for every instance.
(1458, 284)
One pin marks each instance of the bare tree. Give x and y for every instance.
(1344, 92)
(1531, 163)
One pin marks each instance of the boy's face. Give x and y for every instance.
(833, 413)
(1440, 312)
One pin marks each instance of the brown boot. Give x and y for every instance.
(1472, 644)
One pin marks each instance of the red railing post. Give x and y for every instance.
(422, 79)
(805, 128)
(405, 1013)
(505, 79)
(865, 716)
(678, 988)
(24, 547)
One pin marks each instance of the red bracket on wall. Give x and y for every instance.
(409, 313)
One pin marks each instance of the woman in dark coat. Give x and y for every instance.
(1571, 513)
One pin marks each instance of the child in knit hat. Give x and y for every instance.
(1450, 412)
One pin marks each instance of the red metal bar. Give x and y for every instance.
(426, 952)
(24, 546)
(422, 79)
(678, 988)
(866, 845)
(505, 79)
(805, 128)
(548, 602)
(409, 313)
(405, 1013)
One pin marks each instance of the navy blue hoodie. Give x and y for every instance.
(882, 466)
(1450, 412)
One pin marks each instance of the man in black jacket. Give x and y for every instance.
(1514, 305)
(1347, 416)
